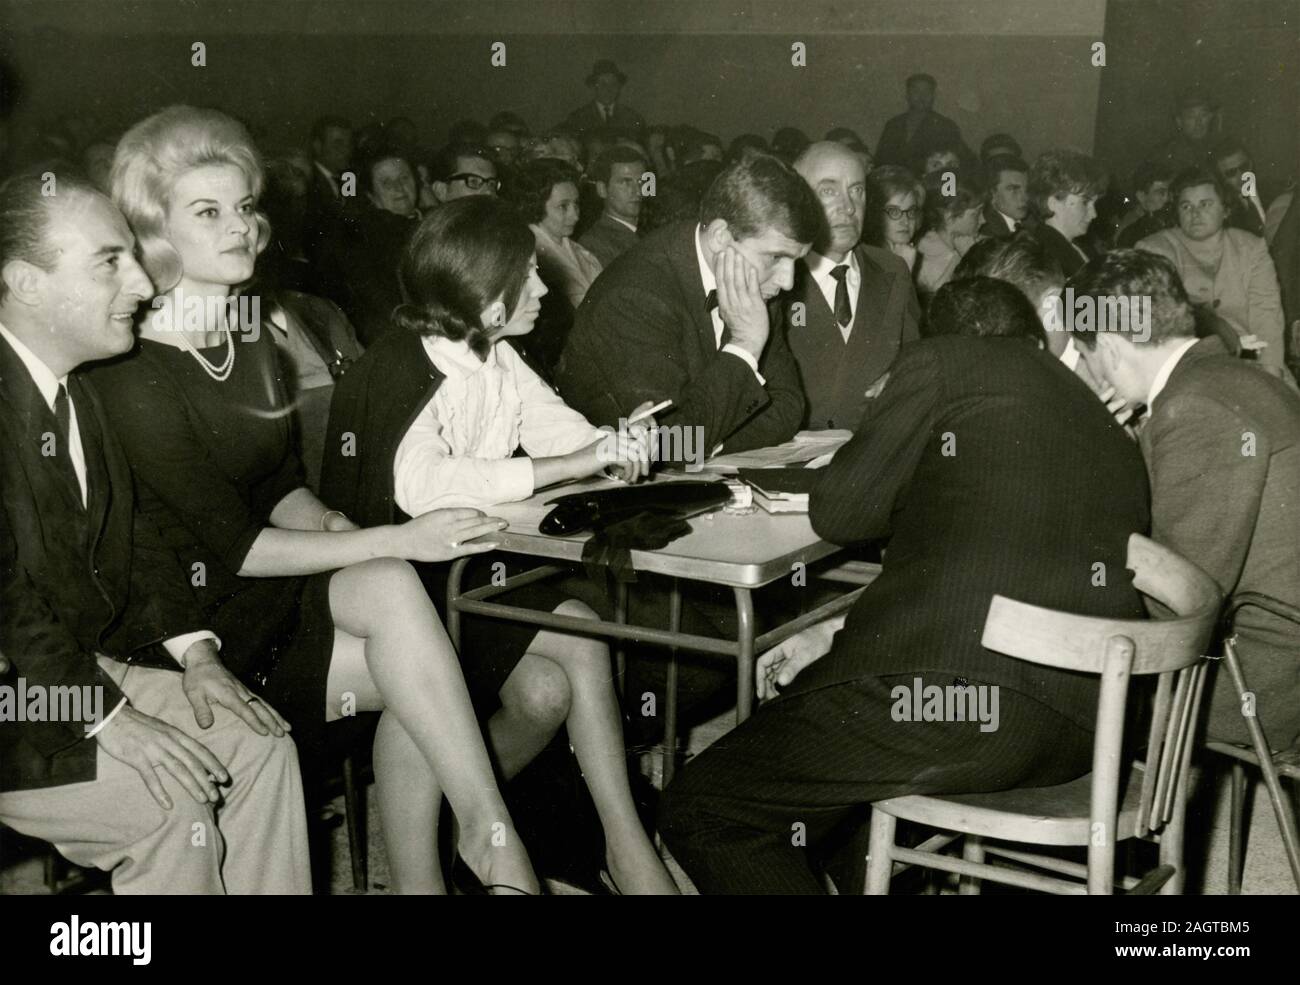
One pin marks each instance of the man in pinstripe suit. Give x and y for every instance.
(989, 468)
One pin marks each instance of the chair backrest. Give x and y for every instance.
(1171, 647)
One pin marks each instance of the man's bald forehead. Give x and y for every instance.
(825, 154)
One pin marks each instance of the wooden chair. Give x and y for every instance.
(1272, 765)
(1094, 811)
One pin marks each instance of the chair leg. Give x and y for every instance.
(880, 861)
(972, 850)
(1171, 842)
(1236, 830)
(1281, 810)
(354, 801)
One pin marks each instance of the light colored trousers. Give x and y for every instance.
(253, 841)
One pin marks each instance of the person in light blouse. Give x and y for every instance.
(447, 413)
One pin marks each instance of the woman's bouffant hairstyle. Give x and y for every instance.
(883, 183)
(153, 155)
(946, 199)
(467, 254)
(531, 185)
(1058, 173)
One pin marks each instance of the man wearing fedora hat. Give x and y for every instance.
(605, 111)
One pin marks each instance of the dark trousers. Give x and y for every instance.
(744, 815)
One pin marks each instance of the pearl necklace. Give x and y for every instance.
(219, 373)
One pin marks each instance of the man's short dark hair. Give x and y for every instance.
(1019, 260)
(999, 163)
(919, 77)
(1229, 146)
(1137, 274)
(324, 123)
(506, 120)
(26, 209)
(1194, 177)
(446, 162)
(603, 166)
(761, 192)
(1148, 173)
(999, 144)
(984, 307)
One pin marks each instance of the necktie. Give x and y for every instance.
(843, 310)
(711, 300)
(63, 446)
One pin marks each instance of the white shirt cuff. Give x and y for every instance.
(750, 361)
(177, 645)
(107, 718)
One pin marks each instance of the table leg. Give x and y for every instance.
(454, 578)
(670, 685)
(744, 654)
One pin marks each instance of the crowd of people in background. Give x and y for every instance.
(470, 315)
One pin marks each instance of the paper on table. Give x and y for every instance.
(806, 446)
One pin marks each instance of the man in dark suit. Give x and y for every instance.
(617, 178)
(1008, 205)
(852, 305)
(88, 589)
(991, 469)
(909, 136)
(690, 314)
(1222, 445)
(331, 154)
(605, 112)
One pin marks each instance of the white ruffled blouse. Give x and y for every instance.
(458, 450)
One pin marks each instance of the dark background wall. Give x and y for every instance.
(1247, 53)
(723, 65)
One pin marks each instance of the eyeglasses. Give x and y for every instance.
(475, 181)
(895, 213)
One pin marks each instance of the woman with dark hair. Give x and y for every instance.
(1227, 272)
(952, 219)
(318, 616)
(546, 193)
(1063, 189)
(892, 212)
(442, 407)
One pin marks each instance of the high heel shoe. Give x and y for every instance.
(466, 883)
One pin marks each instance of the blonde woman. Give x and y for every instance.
(319, 616)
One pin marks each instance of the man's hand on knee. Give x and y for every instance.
(148, 744)
(207, 682)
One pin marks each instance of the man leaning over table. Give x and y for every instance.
(991, 469)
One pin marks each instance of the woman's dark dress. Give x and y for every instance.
(211, 461)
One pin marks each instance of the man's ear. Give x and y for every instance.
(602, 190)
(439, 191)
(718, 235)
(24, 280)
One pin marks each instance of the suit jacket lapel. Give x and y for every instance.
(99, 481)
(687, 268)
(35, 420)
(873, 295)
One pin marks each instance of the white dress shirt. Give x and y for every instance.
(621, 222)
(458, 450)
(1166, 371)
(820, 268)
(711, 285)
(1011, 223)
(48, 386)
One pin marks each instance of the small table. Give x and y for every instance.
(743, 552)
